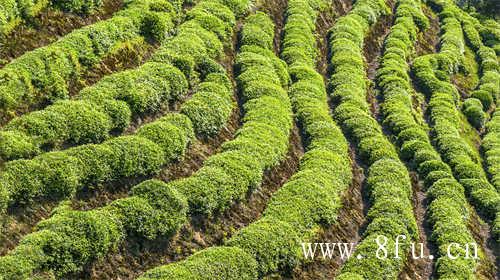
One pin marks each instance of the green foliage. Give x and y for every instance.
(496, 227)
(210, 108)
(215, 17)
(484, 97)
(227, 177)
(53, 174)
(70, 239)
(9, 16)
(12, 13)
(261, 143)
(302, 202)
(95, 163)
(172, 138)
(104, 107)
(446, 124)
(135, 156)
(489, 86)
(272, 243)
(63, 242)
(391, 212)
(14, 145)
(77, 238)
(370, 265)
(388, 180)
(213, 263)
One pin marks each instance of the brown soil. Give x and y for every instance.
(420, 268)
(47, 28)
(488, 266)
(276, 9)
(19, 222)
(128, 56)
(342, 7)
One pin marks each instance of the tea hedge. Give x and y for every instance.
(447, 211)
(14, 12)
(44, 75)
(108, 106)
(490, 34)
(70, 239)
(59, 174)
(488, 92)
(432, 73)
(491, 150)
(484, 97)
(228, 263)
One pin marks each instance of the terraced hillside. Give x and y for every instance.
(249, 139)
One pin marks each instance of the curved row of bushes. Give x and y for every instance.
(482, 99)
(388, 181)
(59, 174)
(447, 211)
(491, 148)
(14, 12)
(433, 76)
(109, 105)
(312, 196)
(45, 74)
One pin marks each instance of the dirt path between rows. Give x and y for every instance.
(414, 268)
